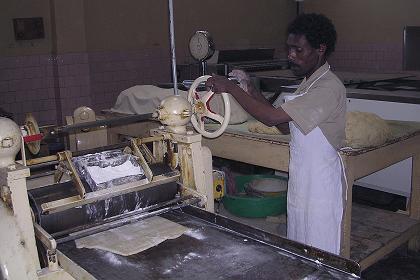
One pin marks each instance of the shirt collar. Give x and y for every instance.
(318, 72)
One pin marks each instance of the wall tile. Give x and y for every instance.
(7, 98)
(42, 94)
(94, 79)
(6, 62)
(46, 59)
(16, 85)
(368, 57)
(74, 92)
(4, 86)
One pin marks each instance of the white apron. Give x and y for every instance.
(314, 197)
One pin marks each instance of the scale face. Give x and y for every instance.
(201, 45)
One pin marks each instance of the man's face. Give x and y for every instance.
(303, 58)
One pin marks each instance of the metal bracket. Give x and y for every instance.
(137, 152)
(147, 153)
(49, 242)
(52, 259)
(189, 191)
(66, 163)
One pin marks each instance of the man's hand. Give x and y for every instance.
(219, 84)
(242, 77)
(259, 107)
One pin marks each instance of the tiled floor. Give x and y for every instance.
(401, 265)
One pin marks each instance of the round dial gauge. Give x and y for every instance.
(201, 45)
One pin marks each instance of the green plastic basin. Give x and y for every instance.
(254, 207)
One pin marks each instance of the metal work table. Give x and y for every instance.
(391, 87)
(347, 77)
(369, 234)
(400, 96)
(213, 248)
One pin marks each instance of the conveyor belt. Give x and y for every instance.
(210, 251)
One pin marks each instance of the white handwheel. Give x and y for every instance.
(201, 109)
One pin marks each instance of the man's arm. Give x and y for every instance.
(257, 94)
(243, 77)
(283, 127)
(245, 83)
(261, 110)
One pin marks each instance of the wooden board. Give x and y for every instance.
(373, 228)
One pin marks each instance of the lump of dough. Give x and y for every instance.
(365, 130)
(258, 127)
(362, 129)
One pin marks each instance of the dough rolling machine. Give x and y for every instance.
(39, 226)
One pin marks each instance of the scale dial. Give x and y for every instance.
(201, 45)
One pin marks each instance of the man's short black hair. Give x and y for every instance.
(317, 28)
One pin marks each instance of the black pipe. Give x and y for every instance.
(108, 122)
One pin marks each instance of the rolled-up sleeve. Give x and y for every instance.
(312, 108)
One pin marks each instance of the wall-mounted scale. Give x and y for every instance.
(174, 112)
(201, 48)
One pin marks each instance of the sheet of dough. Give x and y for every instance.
(133, 238)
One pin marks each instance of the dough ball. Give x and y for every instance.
(366, 130)
(362, 129)
(258, 127)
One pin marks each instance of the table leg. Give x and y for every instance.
(414, 205)
(346, 234)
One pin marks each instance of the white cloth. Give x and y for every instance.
(242, 78)
(145, 99)
(314, 197)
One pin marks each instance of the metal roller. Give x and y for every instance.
(91, 213)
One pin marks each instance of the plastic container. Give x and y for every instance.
(247, 206)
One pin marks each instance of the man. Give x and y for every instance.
(316, 117)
